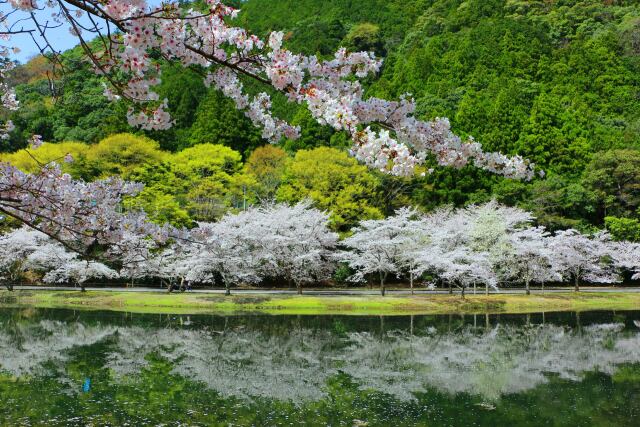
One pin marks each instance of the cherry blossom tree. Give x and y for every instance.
(171, 264)
(529, 257)
(466, 246)
(413, 238)
(626, 256)
(451, 256)
(135, 253)
(286, 242)
(78, 271)
(81, 216)
(15, 247)
(487, 226)
(229, 249)
(581, 257)
(385, 247)
(297, 243)
(33, 250)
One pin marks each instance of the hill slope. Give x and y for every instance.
(556, 81)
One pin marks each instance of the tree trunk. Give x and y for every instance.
(474, 288)
(542, 286)
(9, 287)
(462, 291)
(299, 287)
(382, 288)
(528, 291)
(486, 288)
(577, 285)
(227, 290)
(411, 281)
(450, 288)
(82, 288)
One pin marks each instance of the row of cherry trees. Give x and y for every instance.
(280, 242)
(483, 245)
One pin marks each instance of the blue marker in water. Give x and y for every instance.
(86, 386)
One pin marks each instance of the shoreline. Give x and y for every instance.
(199, 303)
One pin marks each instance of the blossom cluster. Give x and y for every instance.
(81, 214)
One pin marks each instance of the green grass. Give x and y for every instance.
(160, 302)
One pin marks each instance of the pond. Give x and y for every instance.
(63, 367)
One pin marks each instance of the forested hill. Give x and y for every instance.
(556, 81)
(553, 80)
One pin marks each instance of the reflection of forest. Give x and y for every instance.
(294, 361)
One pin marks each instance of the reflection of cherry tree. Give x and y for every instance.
(507, 359)
(256, 361)
(26, 346)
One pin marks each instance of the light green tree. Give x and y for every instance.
(336, 183)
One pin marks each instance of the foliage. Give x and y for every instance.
(217, 121)
(198, 183)
(623, 228)
(75, 110)
(365, 37)
(614, 178)
(49, 152)
(120, 154)
(161, 207)
(336, 183)
(266, 165)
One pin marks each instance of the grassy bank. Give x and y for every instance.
(284, 304)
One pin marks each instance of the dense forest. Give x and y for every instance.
(557, 81)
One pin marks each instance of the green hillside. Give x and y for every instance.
(555, 81)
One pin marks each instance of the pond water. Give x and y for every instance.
(62, 367)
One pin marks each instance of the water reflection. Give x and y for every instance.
(293, 358)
